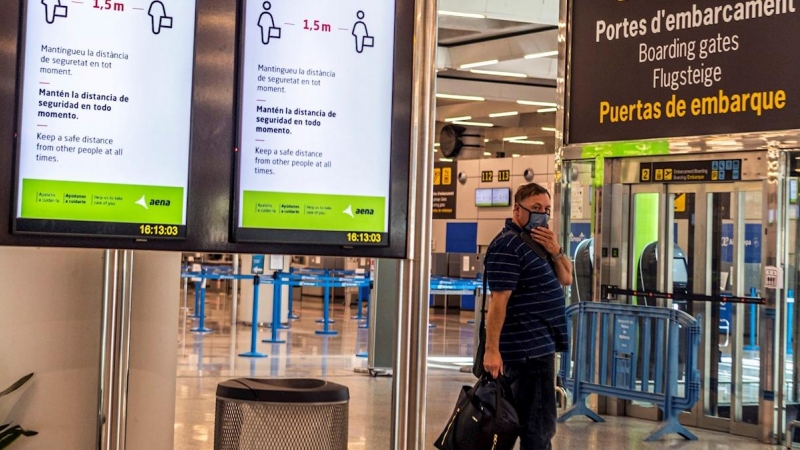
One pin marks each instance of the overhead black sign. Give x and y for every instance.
(691, 171)
(444, 190)
(668, 68)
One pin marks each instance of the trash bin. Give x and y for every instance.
(278, 414)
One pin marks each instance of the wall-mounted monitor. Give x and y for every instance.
(492, 197)
(104, 121)
(501, 197)
(316, 160)
(483, 197)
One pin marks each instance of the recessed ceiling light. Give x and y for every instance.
(522, 141)
(515, 138)
(474, 124)
(536, 103)
(515, 155)
(546, 110)
(499, 74)
(445, 160)
(487, 153)
(542, 54)
(436, 144)
(479, 64)
(548, 129)
(485, 141)
(504, 114)
(461, 14)
(458, 119)
(461, 97)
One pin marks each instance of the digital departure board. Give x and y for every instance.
(315, 122)
(104, 125)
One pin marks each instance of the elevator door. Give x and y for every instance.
(715, 236)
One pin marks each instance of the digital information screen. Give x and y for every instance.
(105, 117)
(316, 122)
(483, 197)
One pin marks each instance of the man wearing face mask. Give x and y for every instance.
(525, 325)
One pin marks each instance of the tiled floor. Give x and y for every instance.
(206, 360)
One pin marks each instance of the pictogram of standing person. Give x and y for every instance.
(267, 24)
(363, 39)
(158, 16)
(53, 9)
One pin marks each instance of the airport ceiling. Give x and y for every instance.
(497, 64)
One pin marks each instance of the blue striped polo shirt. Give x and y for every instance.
(535, 324)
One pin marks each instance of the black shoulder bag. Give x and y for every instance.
(484, 418)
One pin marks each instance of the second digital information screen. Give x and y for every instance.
(315, 122)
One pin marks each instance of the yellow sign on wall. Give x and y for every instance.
(447, 176)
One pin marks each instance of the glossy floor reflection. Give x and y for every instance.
(206, 360)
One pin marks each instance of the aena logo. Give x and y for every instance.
(153, 202)
(365, 212)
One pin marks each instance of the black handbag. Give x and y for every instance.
(484, 418)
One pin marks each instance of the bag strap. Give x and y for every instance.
(486, 282)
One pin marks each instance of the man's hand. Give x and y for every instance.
(493, 362)
(547, 239)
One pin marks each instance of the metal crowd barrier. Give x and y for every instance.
(631, 353)
(278, 280)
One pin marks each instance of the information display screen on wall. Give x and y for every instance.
(104, 123)
(316, 122)
(670, 68)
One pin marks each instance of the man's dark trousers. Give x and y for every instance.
(533, 388)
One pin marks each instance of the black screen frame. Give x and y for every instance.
(72, 228)
(399, 159)
(214, 136)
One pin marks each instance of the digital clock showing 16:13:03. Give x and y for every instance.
(365, 238)
(158, 230)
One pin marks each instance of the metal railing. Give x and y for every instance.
(632, 353)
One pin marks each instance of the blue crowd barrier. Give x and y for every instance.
(631, 352)
(328, 280)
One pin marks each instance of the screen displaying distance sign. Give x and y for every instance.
(316, 122)
(105, 117)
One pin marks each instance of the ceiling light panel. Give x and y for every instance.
(479, 64)
(461, 97)
(542, 55)
(474, 124)
(504, 114)
(498, 73)
(535, 103)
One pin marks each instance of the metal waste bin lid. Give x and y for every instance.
(283, 390)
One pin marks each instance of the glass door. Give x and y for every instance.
(715, 250)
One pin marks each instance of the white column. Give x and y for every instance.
(154, 329)
(50, 325)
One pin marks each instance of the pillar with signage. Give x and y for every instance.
(701, 95)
